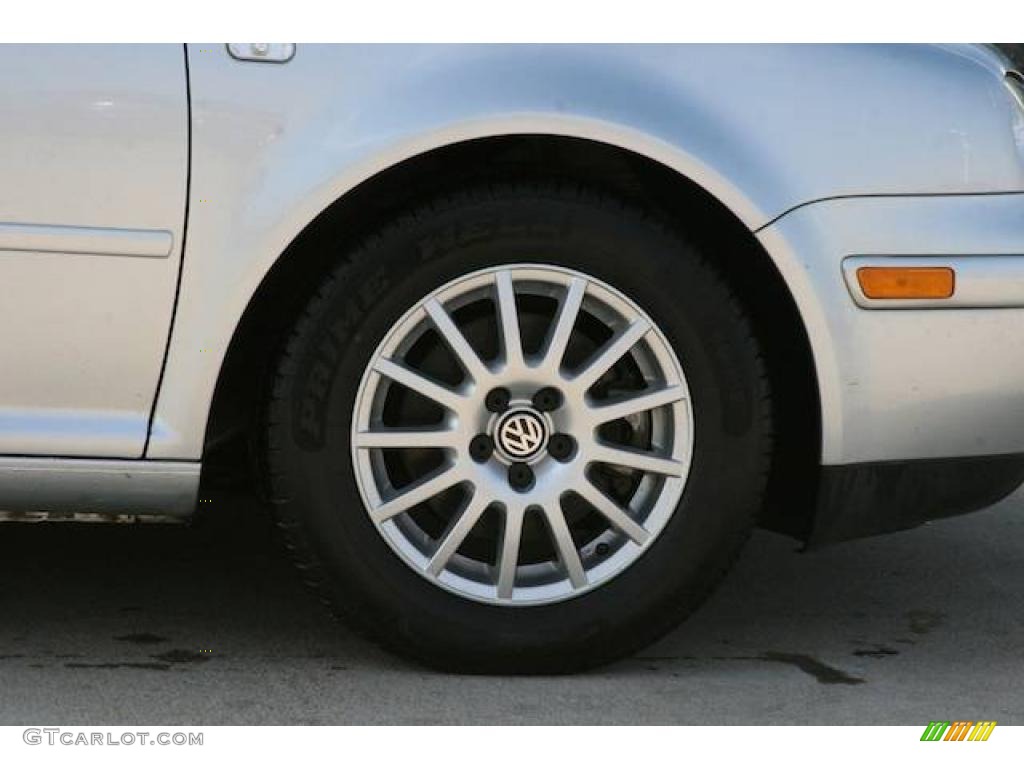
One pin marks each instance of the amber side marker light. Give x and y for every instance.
(907, 282)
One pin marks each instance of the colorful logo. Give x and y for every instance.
(960, 730)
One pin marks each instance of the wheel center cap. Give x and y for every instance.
(521, 434)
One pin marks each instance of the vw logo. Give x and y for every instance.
(520, 434)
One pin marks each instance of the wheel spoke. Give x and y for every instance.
(417, 493)
(456, 342)
(617, 516)
(508, 318)
(642, 460)
(457, 532)
(416, 438)
(417, 382)
(567, 553)
(645, 401)
(611, 353)
(562, 329)
(509, 557)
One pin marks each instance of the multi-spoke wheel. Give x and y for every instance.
(522, 430)
(553, 463)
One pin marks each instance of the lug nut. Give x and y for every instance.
(520, 476)
(497, 400)
(480, 448)
(547, 399)
(561, 447)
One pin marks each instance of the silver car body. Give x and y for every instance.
(148, 191)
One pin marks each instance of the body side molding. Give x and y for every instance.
(105, 241)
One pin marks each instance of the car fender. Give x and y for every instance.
(764, 129)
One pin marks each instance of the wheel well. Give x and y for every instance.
(248, 366)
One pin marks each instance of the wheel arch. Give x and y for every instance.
(676, 199)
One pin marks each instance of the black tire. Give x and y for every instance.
(309, 415)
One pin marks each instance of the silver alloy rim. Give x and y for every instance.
(461, 523)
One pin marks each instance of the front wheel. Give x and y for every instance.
(524, 429)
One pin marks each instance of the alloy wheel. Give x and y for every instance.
(522, 435)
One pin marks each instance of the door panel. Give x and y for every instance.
(93, 176)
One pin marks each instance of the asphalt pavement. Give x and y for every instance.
(151, 624)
